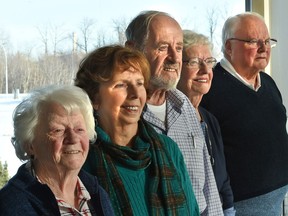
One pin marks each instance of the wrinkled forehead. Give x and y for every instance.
(161, 24)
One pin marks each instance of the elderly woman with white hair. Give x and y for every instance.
(52, 129)
(195, 82)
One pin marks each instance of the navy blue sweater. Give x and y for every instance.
(253, 126)
(24, 195)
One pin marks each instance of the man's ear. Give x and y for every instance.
(29, 148)
(228, 48)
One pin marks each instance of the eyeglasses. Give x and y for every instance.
(257, 43)
(196, 63)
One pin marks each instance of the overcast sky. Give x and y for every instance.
(19, 19)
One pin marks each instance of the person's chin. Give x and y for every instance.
(74, 162)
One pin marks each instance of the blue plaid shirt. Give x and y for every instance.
(184, 128)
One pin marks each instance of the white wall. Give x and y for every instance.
(279, 57)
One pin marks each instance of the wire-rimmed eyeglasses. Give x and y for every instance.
(196, 63)
(257, 43)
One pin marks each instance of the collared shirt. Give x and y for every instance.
(184, 128)
(83, 199)
(228, 67)
(66, 209)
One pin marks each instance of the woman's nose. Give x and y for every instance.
(133, 91)
(71, 137)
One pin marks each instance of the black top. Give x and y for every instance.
(253, 126)
(25, 195)
(216, 150)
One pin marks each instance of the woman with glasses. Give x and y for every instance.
(195, 81)
(248, 105)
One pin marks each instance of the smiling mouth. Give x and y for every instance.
(169, 69)
(132, 108)
(71, 152)
(202, 80)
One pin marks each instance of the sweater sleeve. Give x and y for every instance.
(178, 161)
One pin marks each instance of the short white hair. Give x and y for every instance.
(231, 24)
(26, 115)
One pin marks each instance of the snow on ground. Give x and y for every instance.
(7, 153)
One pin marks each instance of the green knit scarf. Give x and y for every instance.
(165, 193)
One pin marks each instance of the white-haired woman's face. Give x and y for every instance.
(196, 80)
(61, 141)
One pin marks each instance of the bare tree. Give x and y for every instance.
(5, 50)
(21, 71)
(44, 37)
(216, 17)
(86, 30)
(101, 39)
(212, 17)
(58, 35)
(53, 34)
(120, 27)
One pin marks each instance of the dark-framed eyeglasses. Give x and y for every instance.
(196, 63)
(257, 43)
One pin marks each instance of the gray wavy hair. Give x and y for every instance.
(191, 38)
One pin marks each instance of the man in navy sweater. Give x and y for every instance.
(252, 117)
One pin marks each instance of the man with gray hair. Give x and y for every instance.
(160, 38)
(252, 117)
